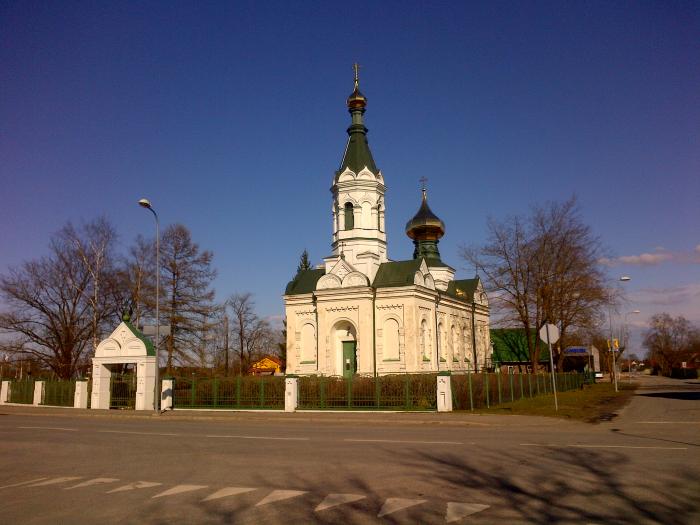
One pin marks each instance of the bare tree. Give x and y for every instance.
(251, 334)
(136, 280)
(671, 340)
(186, 275)
(543, 267)
(54, 304)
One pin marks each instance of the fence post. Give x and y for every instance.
(444, 392)
(5, 392)
(486, 386)
(291, 393)
(80, 398)
(167, 387)
(38, 392)
(471, 394)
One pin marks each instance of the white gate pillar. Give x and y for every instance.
(38, 392)
(101, 375)
(444, 393)
(166, 396)
(80, 400)
(145, 383)
(291, 394)
(5, 392)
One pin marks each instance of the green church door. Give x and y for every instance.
(349, 364)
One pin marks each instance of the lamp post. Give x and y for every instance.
(624, 279)
(629, 359)
(145, 203)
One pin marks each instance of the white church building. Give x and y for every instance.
(362, 313)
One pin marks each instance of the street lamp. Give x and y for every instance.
(624, 278)
(629, 359)
(145, 203)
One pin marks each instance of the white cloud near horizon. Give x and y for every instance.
(655, 258)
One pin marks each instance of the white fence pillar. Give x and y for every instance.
(291, 394)
(80, 400)
(38, 392)
(100, 386)
(5, 392)
(166, 395)
(444, 393)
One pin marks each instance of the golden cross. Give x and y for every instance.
(423, 180)
(356, 67)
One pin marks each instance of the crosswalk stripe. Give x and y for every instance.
(90, 482)
(333, 500)
(392, 505)
(279, 495)
(179, 489)
(135, 485)
(23, 483)
(456, 511)
(228, 491)
(55, 481)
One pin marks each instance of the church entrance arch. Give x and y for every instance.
(124, 369)
(345, 347)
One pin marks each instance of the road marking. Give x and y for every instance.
(392, 505)
(261, 437)
(137, 433)
(279, 495)
(333, 500)
(179, 489)
(24, 483)
(456, 511)
(135, 485)
(599, 446)
(406, 441)
(51, 428)
(55, 481)
(90, 482)
(228, 491)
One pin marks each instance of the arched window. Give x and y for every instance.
(442, 342)
(424, 339)
(455, 344)
(390, 342)
(308, 343)
(349, 216)
(379, 217)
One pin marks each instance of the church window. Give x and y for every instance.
(390, 343)
(424, 339)
(308, 343)
(379, 217)
(456, 353)
(349, 216)
(443, 345)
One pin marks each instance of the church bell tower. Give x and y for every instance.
(359, 235)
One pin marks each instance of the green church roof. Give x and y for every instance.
(396, 273)
(304, 282)
(150, 349)
(357, 154)
(463, 289)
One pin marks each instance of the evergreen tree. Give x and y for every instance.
(304, 262)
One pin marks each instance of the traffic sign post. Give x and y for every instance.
(549, 333)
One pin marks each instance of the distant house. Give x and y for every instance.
(510, 351)
(267, 366)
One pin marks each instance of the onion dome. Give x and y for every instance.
(357, 155)
(426, 229)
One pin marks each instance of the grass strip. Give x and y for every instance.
(592, 404)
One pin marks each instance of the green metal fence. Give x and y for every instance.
(244, 392)
(474, 391)
(122, 391)
(396, 391)
(59, 393)
(22, 392)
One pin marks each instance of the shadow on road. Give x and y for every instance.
(688, 396)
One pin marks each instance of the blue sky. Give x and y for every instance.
(230, 118)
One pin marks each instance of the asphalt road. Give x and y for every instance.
(64, 466)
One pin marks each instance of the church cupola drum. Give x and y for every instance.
(358, 197)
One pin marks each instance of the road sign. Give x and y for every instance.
(553, 333)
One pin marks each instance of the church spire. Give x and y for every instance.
(357, 154)
(426, 229)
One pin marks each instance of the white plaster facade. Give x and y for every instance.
(123, 346)
(387, 317)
